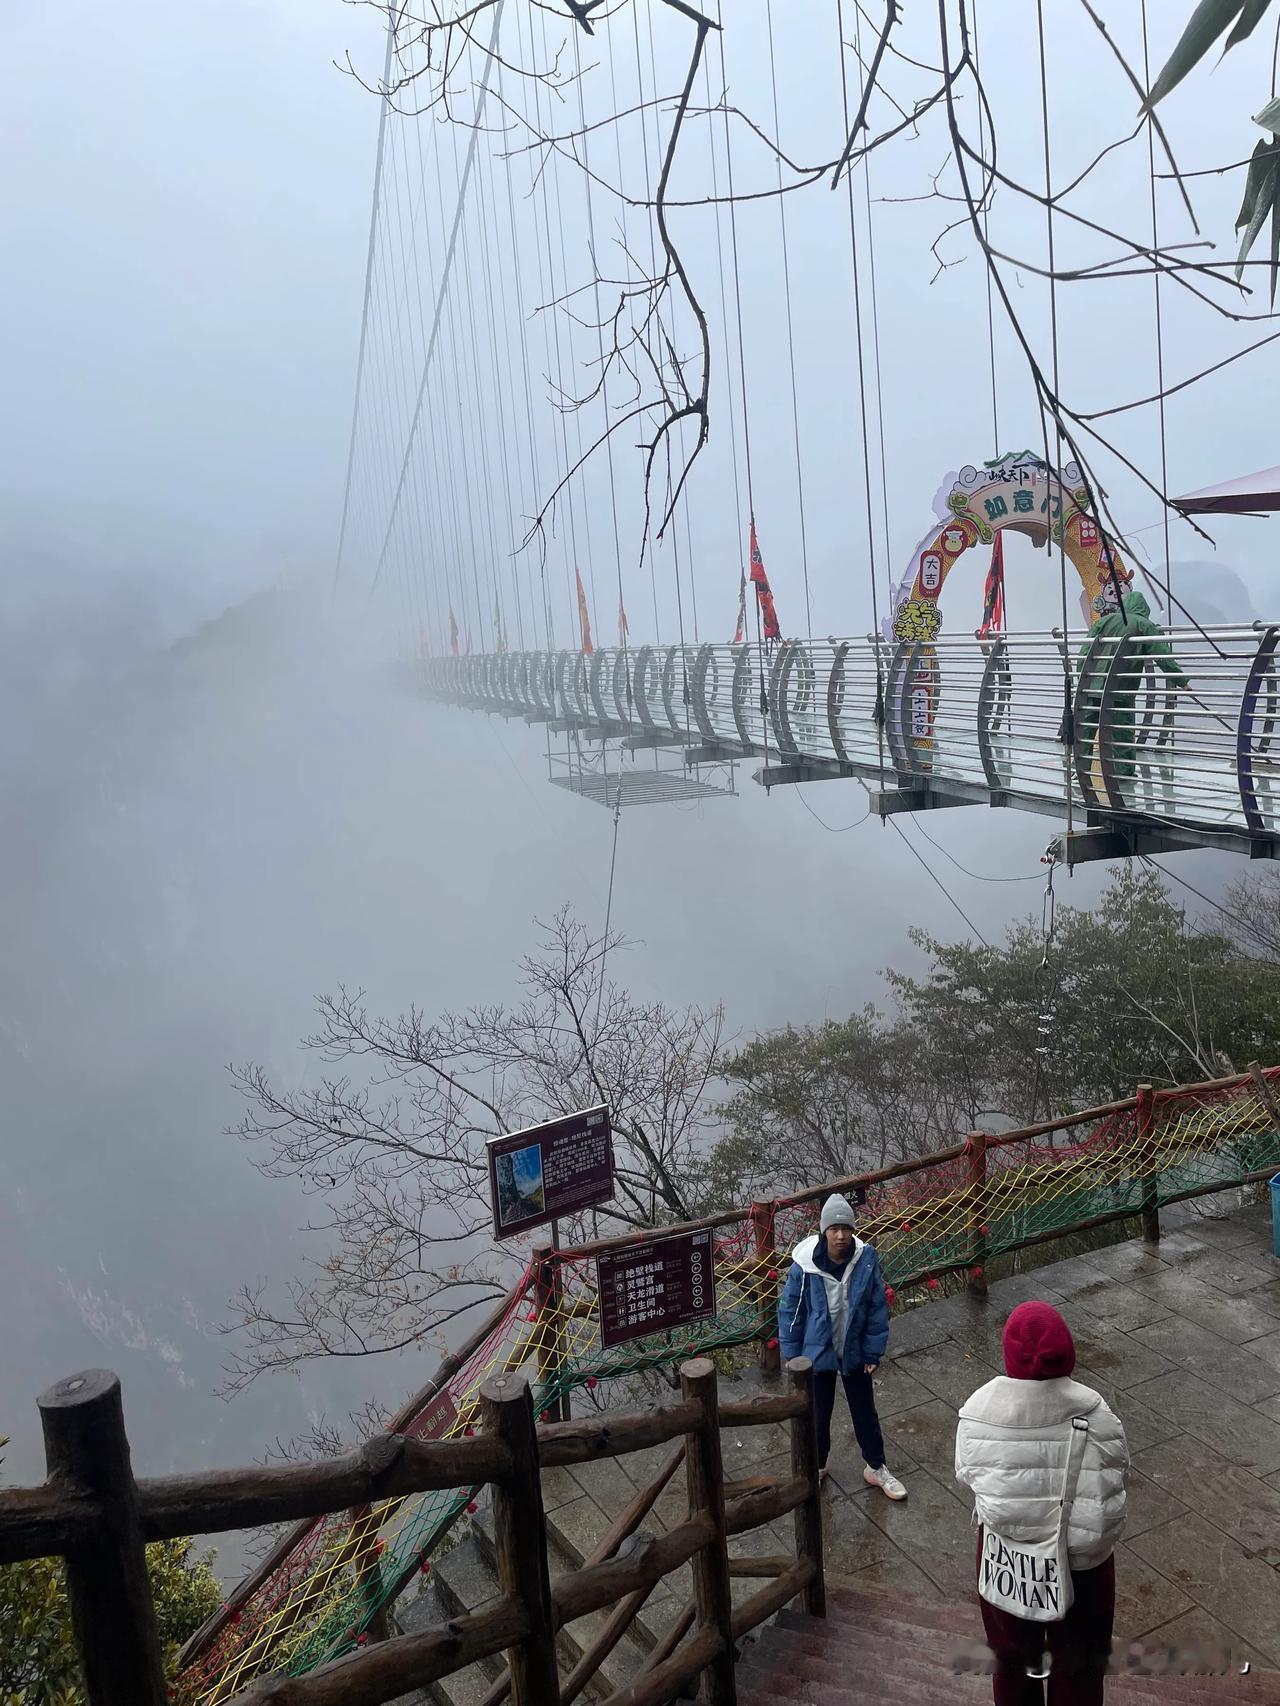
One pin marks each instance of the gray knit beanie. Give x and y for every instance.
(835, 1212)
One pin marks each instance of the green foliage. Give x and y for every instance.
(38, 1664)
(1130, 993)
(1210, 20)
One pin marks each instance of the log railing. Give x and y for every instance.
(93, 1513)
(547, 1319)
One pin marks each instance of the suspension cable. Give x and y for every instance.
(1155, 245)
(791, 338)
(383, 109)
(877, 641)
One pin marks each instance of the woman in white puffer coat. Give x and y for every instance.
(1011, 1451)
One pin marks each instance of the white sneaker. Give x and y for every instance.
(888, 1483)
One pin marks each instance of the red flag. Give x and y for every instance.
(993, 595)
(624, 627)
(583, 618)
(453, 632)
(740, 631)
(764, 598)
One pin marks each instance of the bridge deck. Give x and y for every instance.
(1148, 744)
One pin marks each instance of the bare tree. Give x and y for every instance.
(393, 1144)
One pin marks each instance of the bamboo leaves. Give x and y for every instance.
(1261, 197)
(1206, 24)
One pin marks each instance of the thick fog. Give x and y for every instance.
(209, 819)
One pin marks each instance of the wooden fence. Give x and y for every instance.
(957, 1186)
(98, 1518)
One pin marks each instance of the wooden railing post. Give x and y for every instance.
(712, 1596)
(520, 1539)
(114, 1620)
(1146, 1124)
(805, 1467)
(977, 1145)
(548, 1292)
(763, 1222)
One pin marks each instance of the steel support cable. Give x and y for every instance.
(551, 339)
(410, 558)
(928, 868)
(724, 326)
(1155, 246)
(476, 401)
(445, 274)
(875, 337)
(862, 404)
(645, 546)
(489, 201)
(517, 249)
(1054, 468)
(548, 312)
(580, 478)
(467, 459)
(742, 387)
(683, 501)
(600, 352)
(791, 336)
(501, 557)
(441, 443)
(435, 497)
(397, 404)
(991, 322)
(383, 107)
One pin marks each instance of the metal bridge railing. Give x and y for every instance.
(1180, 726)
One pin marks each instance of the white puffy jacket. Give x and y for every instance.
(1011, 1451)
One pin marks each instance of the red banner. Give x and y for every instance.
(583, 619)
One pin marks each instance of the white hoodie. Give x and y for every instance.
(837, 1290)
(1011, 1450)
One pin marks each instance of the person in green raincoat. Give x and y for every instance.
(1131, 617)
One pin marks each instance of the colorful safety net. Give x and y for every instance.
(949, 1215)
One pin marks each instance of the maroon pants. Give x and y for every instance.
(1078, 1647)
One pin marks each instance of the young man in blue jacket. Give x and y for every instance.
(833, 1310)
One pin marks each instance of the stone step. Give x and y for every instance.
(803, 1658)
(964, 1620)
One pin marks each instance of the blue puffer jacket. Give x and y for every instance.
(804, 1312)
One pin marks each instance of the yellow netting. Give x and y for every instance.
(948, 1216)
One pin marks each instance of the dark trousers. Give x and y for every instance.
(1078, 1647)
(862, 1407)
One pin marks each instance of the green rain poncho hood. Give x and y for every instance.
(1133, 619)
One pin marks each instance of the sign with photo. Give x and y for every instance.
(650, 1287)
(550, 1170)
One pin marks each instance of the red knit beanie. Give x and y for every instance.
(1037, 1343)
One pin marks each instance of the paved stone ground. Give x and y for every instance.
(1183, 1343)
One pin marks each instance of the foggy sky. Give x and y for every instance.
(195, 849)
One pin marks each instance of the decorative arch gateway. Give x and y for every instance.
(1015, 492)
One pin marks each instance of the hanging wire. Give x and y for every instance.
(742, 384)
(1054, 467)
(874, 294)
(724, 325)
(1155, 249)
(986, 240)
(600, 353)
(877, 637)
(791, 336)
(383, 109)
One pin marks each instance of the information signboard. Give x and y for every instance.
(662, 1283)
(535, 1176)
